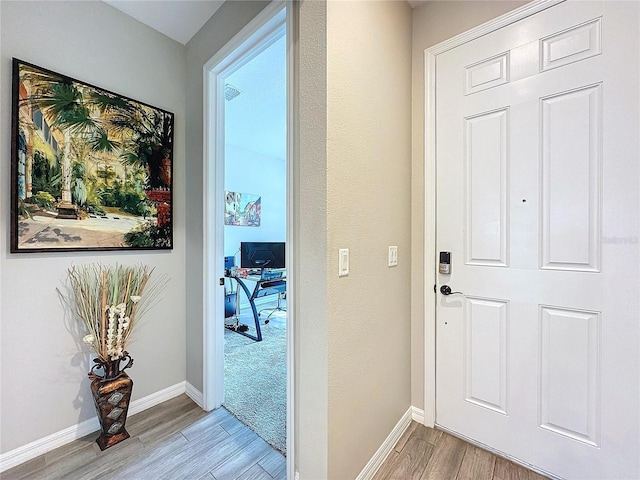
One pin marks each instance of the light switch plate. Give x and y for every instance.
(343, 262)
(393, 255)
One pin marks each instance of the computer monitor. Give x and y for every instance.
(262, 255)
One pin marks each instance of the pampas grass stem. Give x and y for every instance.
(97, 288)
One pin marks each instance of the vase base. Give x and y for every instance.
(106, 441)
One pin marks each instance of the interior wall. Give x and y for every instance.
(369, 207)
(256, 174)
(44, 384)
(433, 22)
(230, 18)
(310, 272)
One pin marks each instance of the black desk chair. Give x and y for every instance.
(282, 295)
(272, 282)
(231, 310)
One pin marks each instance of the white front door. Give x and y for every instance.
(538, 202)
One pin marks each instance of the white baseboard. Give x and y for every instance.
(417, 414)
(194, 394)
(386, 448)
(157, 398)
(32, 450)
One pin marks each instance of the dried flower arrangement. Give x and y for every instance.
(109, 300)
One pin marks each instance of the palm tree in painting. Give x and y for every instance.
(63, 103)
(147, 143)
(141, 136)
(148, 137)
(146, 133)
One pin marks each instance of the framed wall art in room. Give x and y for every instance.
(242, 209)
(90, 169)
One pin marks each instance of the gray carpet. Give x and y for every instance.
(256, 379)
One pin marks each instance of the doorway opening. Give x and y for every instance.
(255, 348)
(247, 329)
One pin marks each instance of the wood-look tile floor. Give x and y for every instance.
(175, 440)
(423, 453)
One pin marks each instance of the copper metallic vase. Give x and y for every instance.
(111, 395)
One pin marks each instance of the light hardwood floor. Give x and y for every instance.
(175, 440)
(423, 453)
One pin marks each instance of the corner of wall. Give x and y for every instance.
(310, 242)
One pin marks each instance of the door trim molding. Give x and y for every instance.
(429, 267)
(279, 15)
(240, 49)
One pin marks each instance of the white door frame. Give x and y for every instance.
(245, 45)
(430, 221)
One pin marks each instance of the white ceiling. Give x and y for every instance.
(177, 19)
(180, 19)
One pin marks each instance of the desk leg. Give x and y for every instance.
(258, 336)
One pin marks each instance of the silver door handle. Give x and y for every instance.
(446, 290)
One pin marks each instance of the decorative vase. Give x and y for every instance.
(111, 395)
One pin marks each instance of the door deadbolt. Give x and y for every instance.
(444, 266)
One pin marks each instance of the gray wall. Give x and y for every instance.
(310, 248)
(44, 385)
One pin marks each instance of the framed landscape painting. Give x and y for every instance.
(91, 169)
